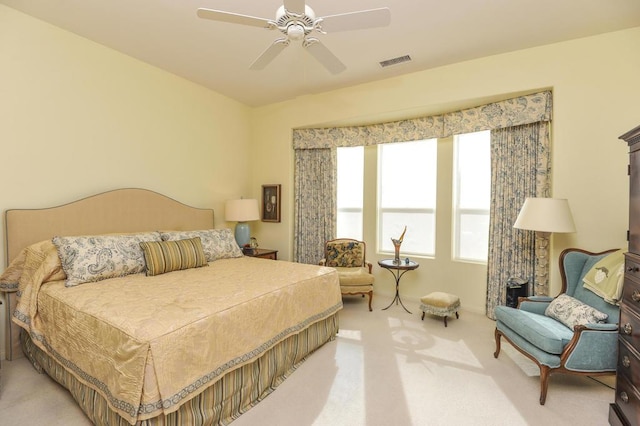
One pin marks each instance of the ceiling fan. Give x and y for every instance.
(297, 22)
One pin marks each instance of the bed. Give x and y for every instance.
(196, 334)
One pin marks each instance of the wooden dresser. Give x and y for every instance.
(626, 409)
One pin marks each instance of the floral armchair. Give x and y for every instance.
(348, 257)
(574, 333)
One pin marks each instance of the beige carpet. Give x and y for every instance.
(385, 368)
(527, 366)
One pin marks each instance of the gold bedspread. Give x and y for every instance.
(148, 344)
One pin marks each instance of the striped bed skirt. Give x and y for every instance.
(219, 404)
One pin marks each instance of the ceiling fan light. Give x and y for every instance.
(295, 31)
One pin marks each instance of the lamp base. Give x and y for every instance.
(242, 233)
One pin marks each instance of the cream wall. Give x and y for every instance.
(595, 86)
(77, 118)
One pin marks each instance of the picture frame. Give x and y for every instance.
(271, 203)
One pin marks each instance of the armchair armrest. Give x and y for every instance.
(369, 265)
(592, 348)
(600, 327)
(534, 304)
(539, 298)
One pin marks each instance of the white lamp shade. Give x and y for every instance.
(545, 215)
(243, 210)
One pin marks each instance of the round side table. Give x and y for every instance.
(397, 270)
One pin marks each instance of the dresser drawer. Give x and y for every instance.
(632, 265)
(615, 416)
(631, 293)
(628, 362)
(628, 400)
(629, 329)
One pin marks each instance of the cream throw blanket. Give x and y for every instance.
(605, 278)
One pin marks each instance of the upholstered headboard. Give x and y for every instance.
(118, 211)
(121, 210)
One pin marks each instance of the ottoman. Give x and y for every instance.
(441, 304)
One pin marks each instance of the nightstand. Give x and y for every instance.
(263, 253)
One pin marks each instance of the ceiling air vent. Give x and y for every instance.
(395, 61)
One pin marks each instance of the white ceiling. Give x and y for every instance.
(169, 35)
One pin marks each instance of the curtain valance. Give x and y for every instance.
(511, 112)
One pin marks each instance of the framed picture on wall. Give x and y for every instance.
(271, 203)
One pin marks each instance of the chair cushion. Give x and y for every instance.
(355, 289)
(543, 332)
(354, 276)
(440, 299)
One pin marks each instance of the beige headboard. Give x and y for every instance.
(121, 210)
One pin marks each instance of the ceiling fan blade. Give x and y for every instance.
(324, 55)
(269, 55)
(234, 18)
(356, 20)
(295, 6)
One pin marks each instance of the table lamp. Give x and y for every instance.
(544, 216)
(242, 211)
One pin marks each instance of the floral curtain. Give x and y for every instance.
(313, 190)
(511, 112)
(520, 168)
(314, 203)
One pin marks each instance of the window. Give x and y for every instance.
(472, 195)
(407, 196)
(350, 180)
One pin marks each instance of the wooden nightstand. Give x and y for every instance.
(263, 253)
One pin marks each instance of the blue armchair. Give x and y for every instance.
(586, 349)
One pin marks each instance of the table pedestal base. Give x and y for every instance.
(397, 269)
(397, 299)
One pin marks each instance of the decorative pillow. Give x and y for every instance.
(216, 243)
(345, 254)
(572, 312)
(167, 256)
(94, 258)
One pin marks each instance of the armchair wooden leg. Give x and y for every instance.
(498, 335)
(370, 299)
(544, 383)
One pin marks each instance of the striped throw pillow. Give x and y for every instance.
(166, 256)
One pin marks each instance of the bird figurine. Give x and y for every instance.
(399, 240)
(396, 246)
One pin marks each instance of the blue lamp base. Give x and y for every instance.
(242, 233)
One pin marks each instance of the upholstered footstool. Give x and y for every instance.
(441, 304)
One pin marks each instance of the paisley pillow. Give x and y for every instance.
(92, 258)
(216, 243)
(572, 312)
